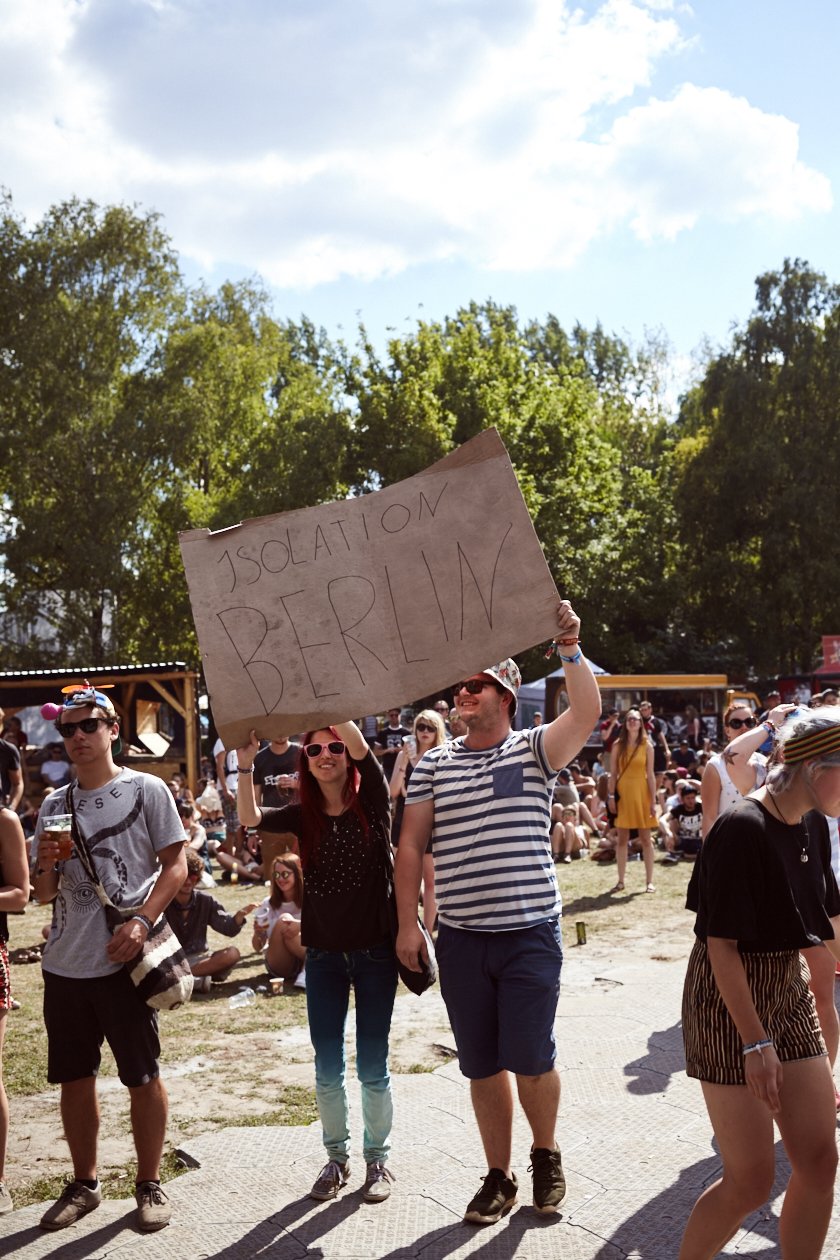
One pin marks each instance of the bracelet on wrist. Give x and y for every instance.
(770, 729)
(757, 1045)
(246, 770)
(571, 660)
(145, 920)
(555, 645)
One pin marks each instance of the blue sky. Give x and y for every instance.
(636, 162)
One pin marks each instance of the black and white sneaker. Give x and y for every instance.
(549, 1179)
(496, 1196)
(377, 1186)
(332, 1178)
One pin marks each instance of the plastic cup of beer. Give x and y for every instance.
(276, 986)
(58, 828)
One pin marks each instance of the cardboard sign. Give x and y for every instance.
(312, 617)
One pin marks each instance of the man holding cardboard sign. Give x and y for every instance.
(309, 617)
(485, 803)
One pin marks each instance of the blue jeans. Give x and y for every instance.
(372, 973)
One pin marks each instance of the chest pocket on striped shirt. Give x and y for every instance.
(508, 781)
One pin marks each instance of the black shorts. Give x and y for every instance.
(81, 1014)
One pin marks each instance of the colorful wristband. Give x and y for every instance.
(757, 1045)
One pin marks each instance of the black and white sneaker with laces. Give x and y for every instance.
(496, 1196)
(377, 1183)
(549, 1181)
(332, 1177)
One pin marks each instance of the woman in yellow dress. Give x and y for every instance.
(632, 782)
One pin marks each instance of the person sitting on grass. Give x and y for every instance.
(681, 826)
(246, 863)
(277, 921)
(190, 913)
(568, 836)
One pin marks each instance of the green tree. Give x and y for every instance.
(756, 471)
(260, 428)
(85, 300)
(584, 422)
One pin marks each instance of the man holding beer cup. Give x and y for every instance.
(131, 828)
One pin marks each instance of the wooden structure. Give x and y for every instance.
(157, 704)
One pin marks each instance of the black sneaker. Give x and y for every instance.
(670, 859)
(549, 1182)
(332, 1178)
(496, 1196)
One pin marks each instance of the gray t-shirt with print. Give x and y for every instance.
(125, 824)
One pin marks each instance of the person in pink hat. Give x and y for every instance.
(484, 800)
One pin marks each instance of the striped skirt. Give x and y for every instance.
(5, 979)
(778, 982)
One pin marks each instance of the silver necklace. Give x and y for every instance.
(803, 853)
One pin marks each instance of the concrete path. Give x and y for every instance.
(637, 1150)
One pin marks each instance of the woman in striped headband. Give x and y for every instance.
(763, 890)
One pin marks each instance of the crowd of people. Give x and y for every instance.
(470, 817)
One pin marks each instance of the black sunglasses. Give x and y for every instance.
(87, 725)
(424, 726)
(737, 723)
(335, 746)
(473, 685)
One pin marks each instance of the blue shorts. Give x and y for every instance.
(501, 991)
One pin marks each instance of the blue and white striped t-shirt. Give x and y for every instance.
(493, 866)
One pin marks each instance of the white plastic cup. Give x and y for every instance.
(245, 997)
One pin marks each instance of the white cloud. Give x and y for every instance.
(706, 153)
(321, 138)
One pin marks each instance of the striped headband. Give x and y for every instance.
(812, 744)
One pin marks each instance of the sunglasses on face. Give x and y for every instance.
(472, 685)
(335, 746)
(737, 723)
(87, 725)
(424, 726)
(285, 873)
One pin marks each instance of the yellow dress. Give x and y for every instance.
(633, 794)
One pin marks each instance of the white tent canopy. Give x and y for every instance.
(531, 698)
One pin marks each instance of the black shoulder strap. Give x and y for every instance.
(83, 854)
